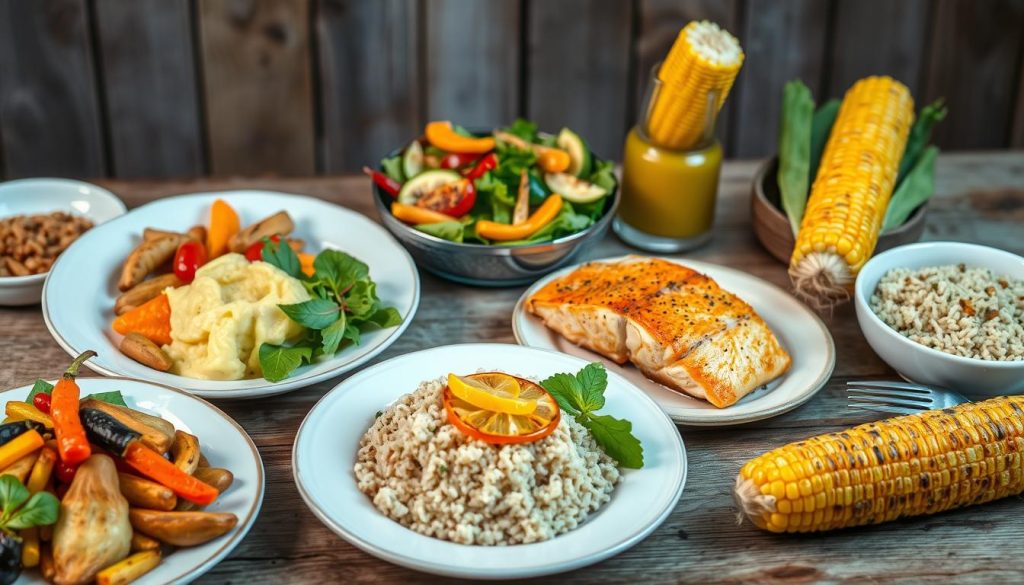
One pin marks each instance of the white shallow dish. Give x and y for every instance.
(922, 364)
(36, 196)
(78, 299)
(325, 449)
(799, 330)
(223, 442)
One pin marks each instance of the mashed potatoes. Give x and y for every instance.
(220, 320)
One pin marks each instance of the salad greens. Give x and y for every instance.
(343, 303)
(496, 190)
(582, 396)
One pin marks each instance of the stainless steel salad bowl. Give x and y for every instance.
(495, 265)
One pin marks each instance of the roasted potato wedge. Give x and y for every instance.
(142, 542)
(144, 493)
(197, 233)
(278, 224)
(141, 349)
(182, 528)
(185, 451)
(146, 290)
(146, 257)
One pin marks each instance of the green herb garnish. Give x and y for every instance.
(23, 510)
(582, 396)
(343, 304)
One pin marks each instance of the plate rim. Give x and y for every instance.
(254, 511)
(439, 568)
(721, 420)
(269, 388)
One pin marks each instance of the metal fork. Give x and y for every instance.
(899, 397)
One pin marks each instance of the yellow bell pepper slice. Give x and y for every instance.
(504, 232)
(417, 215)
(443, 136)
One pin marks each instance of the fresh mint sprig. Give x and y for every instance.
(21, 509)
(582, 396)
(343, 304)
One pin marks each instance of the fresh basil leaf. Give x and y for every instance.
(361, 300)
(12, 495)
(333, 334)
(616, 439)
(278, 361)
(385, 318)
(566, 391)
(446, 230)
(339, 269)
(593, 380)
(393, 168)
(351, 335)
(280, 254)
(314, 313)
(112, 397)
(41, 510)
(41, 386)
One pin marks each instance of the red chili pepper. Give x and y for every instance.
(65, 471)
(254, 252)
(487, 163)
(189, 257)
(390, 186)
(42, 402)
(457, 160)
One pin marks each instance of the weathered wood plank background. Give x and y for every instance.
(176, 88)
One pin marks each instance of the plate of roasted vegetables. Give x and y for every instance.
(233, 295)
(458, 199)
(114, 480)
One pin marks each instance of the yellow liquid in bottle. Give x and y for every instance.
(669, 193)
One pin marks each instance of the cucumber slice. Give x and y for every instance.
(579, 154)
(424, 183)
(573, 188)
(412, 160)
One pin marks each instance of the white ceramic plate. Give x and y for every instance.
(78, 299)
(799, 330)
(325, 451)
(223, 442)
(36, 196)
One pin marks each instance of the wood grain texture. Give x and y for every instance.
(878, 37)
(369, 79)
(258, 86)
(150, 83)
(979, 198)
(782, 41)
(580, 48)
(659, 25)
(50, 119)
(472, 61)
(974, 64)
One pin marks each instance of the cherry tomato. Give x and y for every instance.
(487, 163)
(42, 402)
(454, 199)
(189, 257)
(64, 472)
(457, 160)
(254, 252)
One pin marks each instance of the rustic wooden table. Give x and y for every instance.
(980, 199)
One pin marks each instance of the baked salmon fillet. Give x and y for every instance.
(675, 324)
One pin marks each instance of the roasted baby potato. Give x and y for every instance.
(146, 257)
(182, 528)
(144, 493)
(141, 349)
(278, 224)
(146, 290)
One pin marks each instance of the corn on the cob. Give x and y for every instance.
(701, 66)
(850, 194)
(904, 466)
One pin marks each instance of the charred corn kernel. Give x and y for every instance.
(851, 191)
(878, 471)
(697, 74)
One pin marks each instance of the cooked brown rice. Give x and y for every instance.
(970, 312)
(424, 473)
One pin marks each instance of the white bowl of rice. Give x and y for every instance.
(947, 314)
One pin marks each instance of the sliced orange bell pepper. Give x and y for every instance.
(417, 215)
(443, 136)
(504, 232)
(306, 260)
(224, 223)
(151, 319)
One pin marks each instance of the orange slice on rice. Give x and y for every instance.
(498, 408)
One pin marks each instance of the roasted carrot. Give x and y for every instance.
(72, 445)
(18, 447)
(151, 319)
(224, 223)
(152, 465)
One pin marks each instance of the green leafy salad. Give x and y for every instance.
(515, 186)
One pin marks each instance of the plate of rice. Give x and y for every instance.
(566, 467)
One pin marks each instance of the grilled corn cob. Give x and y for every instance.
(701, 66)
(905, 466)
(850, 194)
